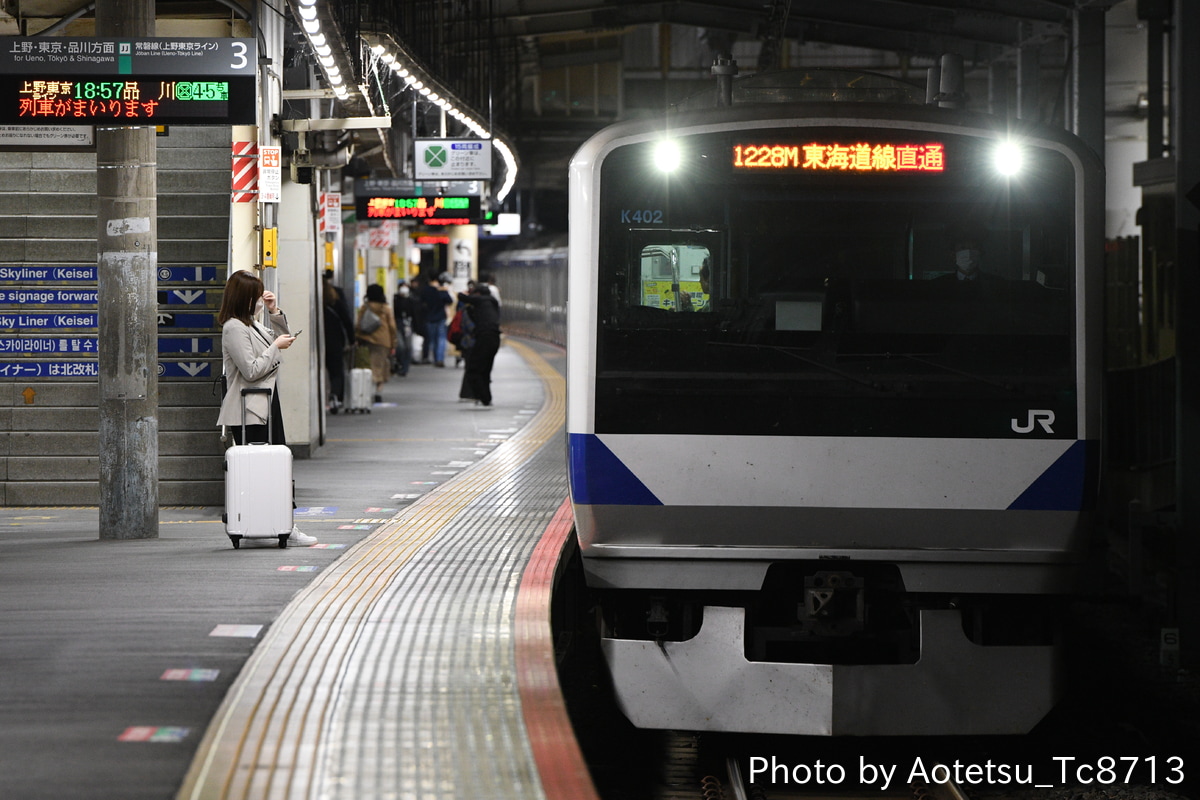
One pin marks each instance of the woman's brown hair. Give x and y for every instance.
(242, 291)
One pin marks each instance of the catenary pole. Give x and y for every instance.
(127, 264)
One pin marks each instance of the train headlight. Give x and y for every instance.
(666, 155)
(1008, 158)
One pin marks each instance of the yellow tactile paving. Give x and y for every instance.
(275, 735)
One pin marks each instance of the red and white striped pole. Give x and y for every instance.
(245, 172)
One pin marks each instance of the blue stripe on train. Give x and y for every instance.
(1065, 485)
(599, 478)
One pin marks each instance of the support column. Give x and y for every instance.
(127, 264)
(1185, 140)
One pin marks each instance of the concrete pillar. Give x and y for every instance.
(1185, 139)
(127, 264)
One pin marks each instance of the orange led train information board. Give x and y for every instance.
(434, 210)
(837, 157)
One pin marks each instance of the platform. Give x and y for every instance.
(381, 663)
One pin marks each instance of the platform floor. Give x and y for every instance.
(379, 663)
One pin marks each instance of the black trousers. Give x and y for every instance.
(258, 433)
(480, 357)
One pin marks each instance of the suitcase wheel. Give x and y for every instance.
(237, 541)
(283, 539)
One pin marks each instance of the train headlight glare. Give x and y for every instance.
(1009, 158)
(666, 155)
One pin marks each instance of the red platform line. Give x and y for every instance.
(559, 760)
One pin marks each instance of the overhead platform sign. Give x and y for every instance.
(426, 204)
(57, 81)
(452, 160)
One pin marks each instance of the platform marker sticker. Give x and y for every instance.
(315, 511)
(405, 496)
(380, 510)
(423, 483)
(354, 527)
(329, 547)
(237, 631)
(190, 675)
(298, 569)
(146, 733)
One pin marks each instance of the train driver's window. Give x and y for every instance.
(675, 277)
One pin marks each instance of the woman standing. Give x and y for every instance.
(485, 313)
(379, 336)
(251, 355)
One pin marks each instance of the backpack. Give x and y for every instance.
(461, 332)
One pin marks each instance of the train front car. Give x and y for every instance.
(833, 414)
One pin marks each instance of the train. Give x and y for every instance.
(834, 370)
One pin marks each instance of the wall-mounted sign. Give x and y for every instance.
(452, 159)
(58, 55)
(55, 137)
(833, 156)
(161, 81)
(270, 173)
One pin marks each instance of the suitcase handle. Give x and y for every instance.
(257, 390)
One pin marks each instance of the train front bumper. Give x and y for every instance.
(956, 687)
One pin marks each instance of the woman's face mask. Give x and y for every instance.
(259, 306)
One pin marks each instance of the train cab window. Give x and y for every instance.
(675, 277)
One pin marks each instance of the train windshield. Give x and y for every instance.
(836, 281)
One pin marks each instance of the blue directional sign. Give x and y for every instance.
(49, 369)
(48, 274)
(171, 319)
(61, 297)
(72, 320)
(184, 369)
(183, 345)
(48, 344)
(187, 297)
(187, 274)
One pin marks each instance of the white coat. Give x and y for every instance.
(250, 360)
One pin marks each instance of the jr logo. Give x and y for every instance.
(1039, 416)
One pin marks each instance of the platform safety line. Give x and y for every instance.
(560, 761)
(346, 594)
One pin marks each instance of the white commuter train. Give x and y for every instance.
(822, 485)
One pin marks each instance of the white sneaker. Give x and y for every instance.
(301, 539)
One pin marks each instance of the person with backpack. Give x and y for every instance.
(484, 313)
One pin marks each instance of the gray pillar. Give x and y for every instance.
(1185, 138)
(127, 248)
(1087, 77)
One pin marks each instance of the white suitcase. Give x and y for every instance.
(258, 488)
(361, 396)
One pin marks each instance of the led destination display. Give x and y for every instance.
(161, 101)
(834, 156)
(435, 210)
